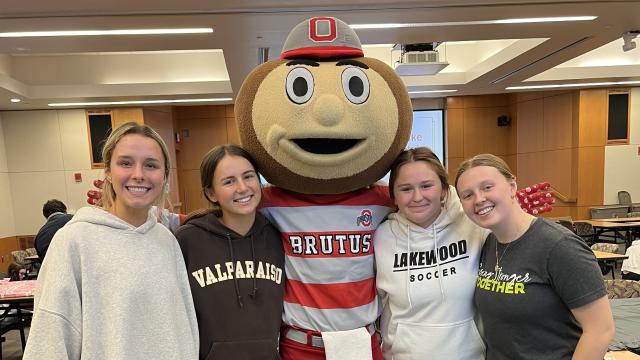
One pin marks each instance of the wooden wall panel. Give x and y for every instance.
(191, 193)
(452, 167)
(120, 116)
(591, 176)
(455, 141)
(7, 245)
(481, 132)
(206, 127)
(558, 211)
(486, 101)
(232, 131)
(512, 140)
(232, 127)
(512, 162)
(455, 102)
(529, 168)
(557, 169)
(530, 130)
(558, 122)
(593, 117)
(199, 135)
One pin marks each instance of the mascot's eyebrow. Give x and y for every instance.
(352, 62)
(303, 62)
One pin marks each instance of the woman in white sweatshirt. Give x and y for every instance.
(114, 283)
(427, 258)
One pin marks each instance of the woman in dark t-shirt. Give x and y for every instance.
(539, 292)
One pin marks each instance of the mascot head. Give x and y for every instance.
(323, 119)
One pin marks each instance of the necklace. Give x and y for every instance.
(498, 268)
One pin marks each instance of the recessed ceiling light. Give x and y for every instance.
(139, 102)
(16, 34)
(555, 86)
(15, 100)
(478, 22)
(431, 91)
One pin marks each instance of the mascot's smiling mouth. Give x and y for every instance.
(316, 151)
(325, 146)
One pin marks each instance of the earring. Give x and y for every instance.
(166, 188)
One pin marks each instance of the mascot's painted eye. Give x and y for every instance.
(299, 85)
(355, 84)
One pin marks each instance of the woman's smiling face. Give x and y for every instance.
(487, 196)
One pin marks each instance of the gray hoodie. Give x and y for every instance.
(426, 280)
(109, 290)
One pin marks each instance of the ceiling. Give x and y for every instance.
(483, 58)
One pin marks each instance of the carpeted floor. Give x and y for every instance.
(11, 347)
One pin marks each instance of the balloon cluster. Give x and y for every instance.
(94, 196)
(536, 199)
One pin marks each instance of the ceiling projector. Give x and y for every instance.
(419, 60)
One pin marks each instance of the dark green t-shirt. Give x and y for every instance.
(525, 307)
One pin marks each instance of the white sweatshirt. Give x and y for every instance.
(426, 280)
(109, 290)
(632, 264)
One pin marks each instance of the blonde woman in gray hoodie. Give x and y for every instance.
(427, 256)
(94, 299)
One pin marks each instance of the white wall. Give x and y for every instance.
(622, 162)
(43, 149)
(7, 227)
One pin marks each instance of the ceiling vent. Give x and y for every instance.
(419, 60)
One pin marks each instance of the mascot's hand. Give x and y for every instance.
(536, 199)
(94, 196)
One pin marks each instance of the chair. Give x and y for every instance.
(622, 289)
(585, 231)
(19, 258)
(567, 223)
(624, 198)
(609, 266)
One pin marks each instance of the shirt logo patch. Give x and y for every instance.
(365, 219)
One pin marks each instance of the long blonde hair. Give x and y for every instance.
(109, 195)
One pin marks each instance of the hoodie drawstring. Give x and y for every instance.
(235, 279)
(435, 242)
(409, 264)
(254, 291)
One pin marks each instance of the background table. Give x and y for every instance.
(18, 295)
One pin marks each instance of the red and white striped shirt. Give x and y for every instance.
(328, 242)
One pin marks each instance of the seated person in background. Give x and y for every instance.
(55, 211)
(17, 272)
(631, 266)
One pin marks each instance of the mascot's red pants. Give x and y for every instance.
(296, 350)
